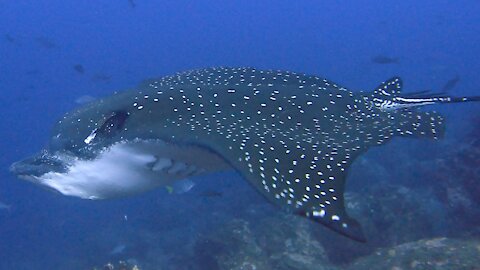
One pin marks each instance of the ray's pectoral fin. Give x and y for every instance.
(310, 184)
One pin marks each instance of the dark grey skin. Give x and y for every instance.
(292, 136)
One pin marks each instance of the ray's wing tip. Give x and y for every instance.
(345, 226)
(354, 230)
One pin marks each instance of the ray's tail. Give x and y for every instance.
(408, 101)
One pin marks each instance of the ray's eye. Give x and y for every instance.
(113, 124)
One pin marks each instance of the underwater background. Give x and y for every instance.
(418, 200)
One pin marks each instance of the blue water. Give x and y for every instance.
(119, 46)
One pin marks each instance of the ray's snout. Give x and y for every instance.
(38, 165)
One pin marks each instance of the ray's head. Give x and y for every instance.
(115, 147)
(78, 139)
(95, 125)
(79, 132)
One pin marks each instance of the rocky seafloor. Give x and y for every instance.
(288, 243)
(283, 241)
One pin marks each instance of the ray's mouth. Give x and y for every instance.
(38, 165)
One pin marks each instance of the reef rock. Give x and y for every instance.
(279, 242)
(390, 215)
(436, 253)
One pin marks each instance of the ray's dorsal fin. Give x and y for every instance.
(384, 95)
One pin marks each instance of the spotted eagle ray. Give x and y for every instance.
(292, 136)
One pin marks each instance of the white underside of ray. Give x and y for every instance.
(129, 168)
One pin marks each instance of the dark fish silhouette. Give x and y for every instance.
(211, 193)
(292, 136)
(132, 3)
(79, 68)
(101, 78)
(46, 42)
(450, 84)
(32, 72)
(9, 38)
(382, 59)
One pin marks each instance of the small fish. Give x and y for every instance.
(382, 59)
(450, 84)
(132, 3)
(9, 38)
(4, 206)
(32, 72)
(79, 68)
(85, 99)
(119, 249)
(101, 78)
(180, 187)
(211, 194)
(292, 136)
(45, 42)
